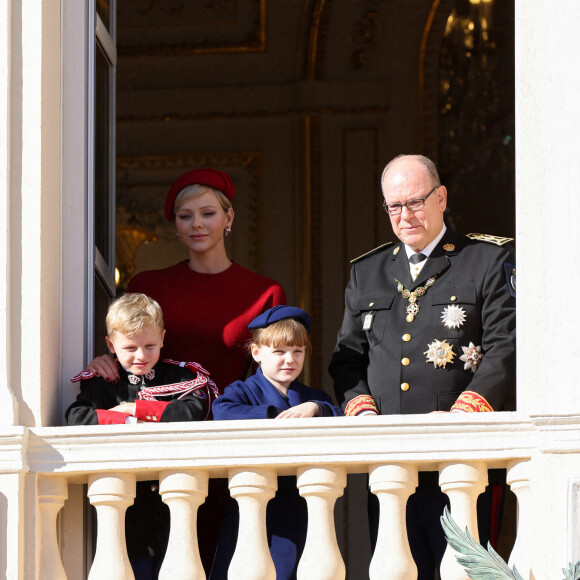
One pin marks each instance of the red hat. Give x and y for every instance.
(211, 177)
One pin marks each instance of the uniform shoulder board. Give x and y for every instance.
(83, 376)
(374, 251)
(193, 366)
(497, 240)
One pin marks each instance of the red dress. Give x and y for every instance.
(207, 315)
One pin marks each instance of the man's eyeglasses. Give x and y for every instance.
(412, 205)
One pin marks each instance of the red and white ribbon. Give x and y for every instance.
(201, 381)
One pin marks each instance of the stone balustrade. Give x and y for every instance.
(320, 452)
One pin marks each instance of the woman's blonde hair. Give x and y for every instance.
(286, 332)
(132, 314)
(195, 190)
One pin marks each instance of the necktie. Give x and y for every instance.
(417, 258)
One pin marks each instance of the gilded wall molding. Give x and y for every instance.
(428, 66)
(297, 112)
(364, 34)
(181, 28)
(313, 136)
(317, 40)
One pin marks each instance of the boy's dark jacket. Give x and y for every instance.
(98, 395)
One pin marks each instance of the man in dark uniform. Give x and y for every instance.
(429, 325)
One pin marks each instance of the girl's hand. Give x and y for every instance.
(308, 409)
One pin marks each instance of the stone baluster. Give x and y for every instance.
(392, 559)
(111, 494)
(252, 489)
(518, 478)
(321, 559)
(52, 493)
(462, 482)
(183, 491)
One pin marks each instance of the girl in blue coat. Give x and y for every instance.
(279, 345)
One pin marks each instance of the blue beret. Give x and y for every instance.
(281, 312)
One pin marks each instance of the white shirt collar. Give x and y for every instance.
(428, 249)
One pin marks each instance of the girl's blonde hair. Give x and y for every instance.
(286, 332)
(132, 314)
(195, 190)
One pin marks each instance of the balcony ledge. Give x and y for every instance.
(354, 443)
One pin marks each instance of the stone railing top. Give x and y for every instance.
(353, 442)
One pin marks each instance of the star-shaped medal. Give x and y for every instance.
(440, 353)
(471, 357)
(453, 316)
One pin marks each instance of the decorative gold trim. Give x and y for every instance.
(422, 56)
(306, 253)
(256, 44)
(298, 112)
(312, 53)
(427, 79)
(472, 402)
(374, 251)
(360, 404)
(497, 240)
(312, 255)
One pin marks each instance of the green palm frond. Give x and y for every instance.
(479, 563)
(573, 572)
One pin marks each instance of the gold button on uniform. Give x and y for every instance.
(453, 298)
(371, 304)
(404, 386)
(406, 337)
(405, 362)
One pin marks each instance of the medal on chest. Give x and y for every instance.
(413, 306)
(440, 353)
(471, 357)
(453, 316)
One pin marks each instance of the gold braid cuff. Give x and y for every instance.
(359, 404)
(471, 402)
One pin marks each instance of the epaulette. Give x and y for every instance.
(374, 251)
(497, 240)
(193, 366)
(83, 376)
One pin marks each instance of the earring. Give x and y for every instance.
(228, 230)
(177, 235)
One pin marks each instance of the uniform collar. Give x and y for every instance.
(427, 251)
(146, 380)
(440, 258)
